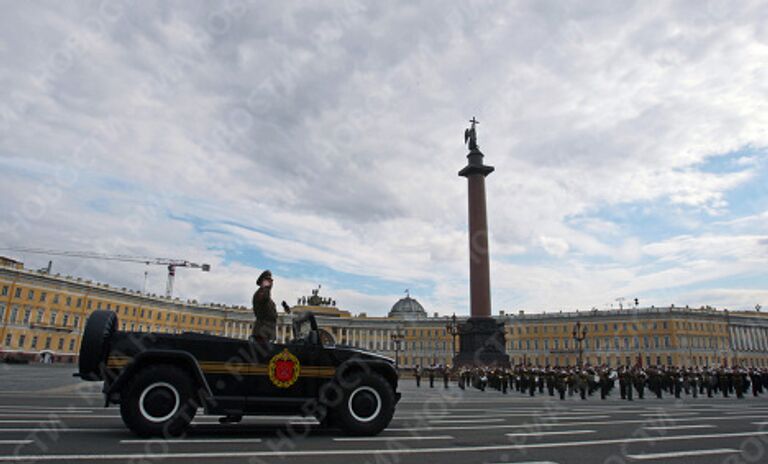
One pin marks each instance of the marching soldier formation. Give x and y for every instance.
(633, 382)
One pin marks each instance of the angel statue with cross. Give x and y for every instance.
(470, 136)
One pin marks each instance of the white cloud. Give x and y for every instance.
(330, 136)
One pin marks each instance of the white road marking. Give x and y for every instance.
(365, 451)
(681, 454)
(570, 424)
(29, 421)
(527, 462)
(543, 434)
(191, 441)
(572, 417)
(54, 416)
(60, 429)
(465, 421)
(436, 437)
(46, 408)
(669, 414)
(16, 442)
(680, 427)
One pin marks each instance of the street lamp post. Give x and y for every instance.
(579, 335)
(397, 338)
(453, 329)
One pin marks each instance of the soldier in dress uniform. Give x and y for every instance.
(431, 373)
(264, 309)
(417, 374)
(738, 383)
(446, 374)
(622, 383)
(639, 378)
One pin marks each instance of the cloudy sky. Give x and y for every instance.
(322, 140)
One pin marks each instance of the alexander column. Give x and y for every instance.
(481, 337)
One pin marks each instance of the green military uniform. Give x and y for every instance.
(265, 327)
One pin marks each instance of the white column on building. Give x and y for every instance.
(744, 340)
(747, 341)
(763, 345)
(744, 344)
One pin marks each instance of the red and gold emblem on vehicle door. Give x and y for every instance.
(284, 369)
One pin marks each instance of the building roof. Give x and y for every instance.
(407, 308)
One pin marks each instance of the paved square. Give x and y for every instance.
(45, 416)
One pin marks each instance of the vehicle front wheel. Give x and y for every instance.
(159, 402)
(367, 406)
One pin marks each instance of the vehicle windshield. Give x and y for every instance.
(301, 328)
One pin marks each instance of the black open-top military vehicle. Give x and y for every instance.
(161, 380)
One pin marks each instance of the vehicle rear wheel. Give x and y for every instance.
(367, 405)
(159, 402)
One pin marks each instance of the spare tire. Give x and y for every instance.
(94, 346)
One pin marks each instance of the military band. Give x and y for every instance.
(632, 382)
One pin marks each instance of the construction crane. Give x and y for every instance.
(171, 263)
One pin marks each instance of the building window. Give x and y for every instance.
(2, 312)
(31, 295)
(90, 304)
(14, 314)
(65, 320)
(48, 343)
(61, 344)
(34, 343)
(5, 290)
(27, 316)
(8, 339)
(69, 301)
(22, 339)
(77, 322)
(72, 345)
(39, 317)
(98, 305)
(17, 293)
(79, 302)
(43, 296)
(109, 306)
(53, 318)
(55, 299)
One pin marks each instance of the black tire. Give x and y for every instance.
(367, 405)
(94, 346)
(159, 401)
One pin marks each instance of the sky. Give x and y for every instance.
(322, 140)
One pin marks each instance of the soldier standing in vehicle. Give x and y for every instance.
(265, 326)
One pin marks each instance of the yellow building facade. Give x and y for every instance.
(42, 318)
